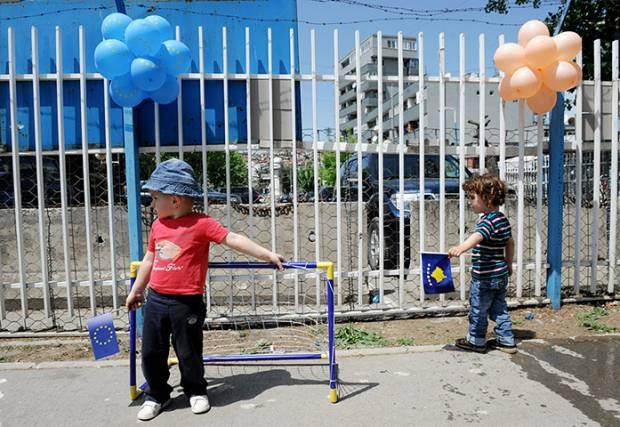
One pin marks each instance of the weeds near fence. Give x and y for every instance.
(349, 337)
(590, 320)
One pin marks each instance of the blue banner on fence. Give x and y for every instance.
(102, 336)
(436, 273)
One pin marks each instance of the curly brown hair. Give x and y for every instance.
(489, 187)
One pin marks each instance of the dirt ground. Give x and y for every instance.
(530, 323)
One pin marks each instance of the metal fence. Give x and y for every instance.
(63, 221)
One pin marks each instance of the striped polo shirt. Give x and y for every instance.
(488, 256)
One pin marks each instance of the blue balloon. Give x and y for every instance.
(147, 74)
(124, 93)
(114, 25)
(162, 25)
(112, 58)
(175, 57)
(143, 38)
(168, 92)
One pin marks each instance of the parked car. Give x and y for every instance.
(243, 193)
(28, 178)
(392, 201)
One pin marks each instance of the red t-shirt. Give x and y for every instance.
(181, 248)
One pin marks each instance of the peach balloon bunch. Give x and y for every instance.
(538, 66)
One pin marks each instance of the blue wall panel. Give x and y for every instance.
(211, 15)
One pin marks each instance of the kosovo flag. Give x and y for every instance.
(102, 336)
(436, 273)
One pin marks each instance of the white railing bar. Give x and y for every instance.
(380, 157)
(421, 99)
(401, 177)
(481, 105)
(613, 175)
(578, 181)
(315, 160)
(462, 160)
(86, 169)
(226, 130)
(271, 164)
(539, 203)
(294, 153)
(157, 130)
(180, 104)
(36, 102)
(248, 109)
(360, 218)
(203, 143)
(442, 149)
(502, 131)
(520, 203)
(110, 185)
(227, 151)
(337, 184)
(63, 169)
(203, 129)
(17, 195)
(596, 178)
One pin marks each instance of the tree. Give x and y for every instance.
(591, 19)
(305, 178)
(328, 167)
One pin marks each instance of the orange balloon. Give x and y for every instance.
(525, 82)
(541, 51)
(506, 91)
(568, 44)
(531, 29)
(579, 73)
(560, 76)
(509, 56)
(542, 101)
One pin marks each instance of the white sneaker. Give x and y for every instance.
(149, 410)
(199, 404)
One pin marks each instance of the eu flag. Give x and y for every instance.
(436, 273)
(102, 336)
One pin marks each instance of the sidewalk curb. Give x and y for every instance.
(70, 364)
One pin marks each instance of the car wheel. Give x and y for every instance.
(390, 247)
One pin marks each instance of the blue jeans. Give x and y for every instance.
(182, 318)
(487, 300)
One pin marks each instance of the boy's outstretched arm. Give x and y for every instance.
(244, 245)
(136, 296)
(469, 243)
(509, 254)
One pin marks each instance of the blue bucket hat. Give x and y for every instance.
(174, 177)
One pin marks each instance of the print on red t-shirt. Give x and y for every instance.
(181, 248)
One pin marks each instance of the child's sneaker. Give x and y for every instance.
(199, 404)
(466, 345)
(150, 409)
(494, 344)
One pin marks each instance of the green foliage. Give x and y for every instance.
(590, 320)
(591, 19)
(329, 171)
(405, 342)
(349, 336)
(305, 177)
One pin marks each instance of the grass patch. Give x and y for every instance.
(349, 337)
(590, 320)
(405, 342)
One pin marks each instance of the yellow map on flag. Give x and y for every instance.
(438, 274)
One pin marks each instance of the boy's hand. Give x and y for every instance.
(134, 300)
(276, 259)
(510, 269)
(454, 251)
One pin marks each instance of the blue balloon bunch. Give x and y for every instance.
(141, 59)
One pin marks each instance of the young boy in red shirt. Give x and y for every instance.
(175, 268)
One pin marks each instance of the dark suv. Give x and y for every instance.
(391, 198)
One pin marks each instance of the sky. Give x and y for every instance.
(385, 15)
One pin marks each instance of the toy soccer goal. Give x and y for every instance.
(249, 338)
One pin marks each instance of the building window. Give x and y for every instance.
(391, 43)
(344, 63)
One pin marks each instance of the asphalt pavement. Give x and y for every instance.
(564, 383)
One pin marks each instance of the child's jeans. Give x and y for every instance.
(181, 316)
(487, 299)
